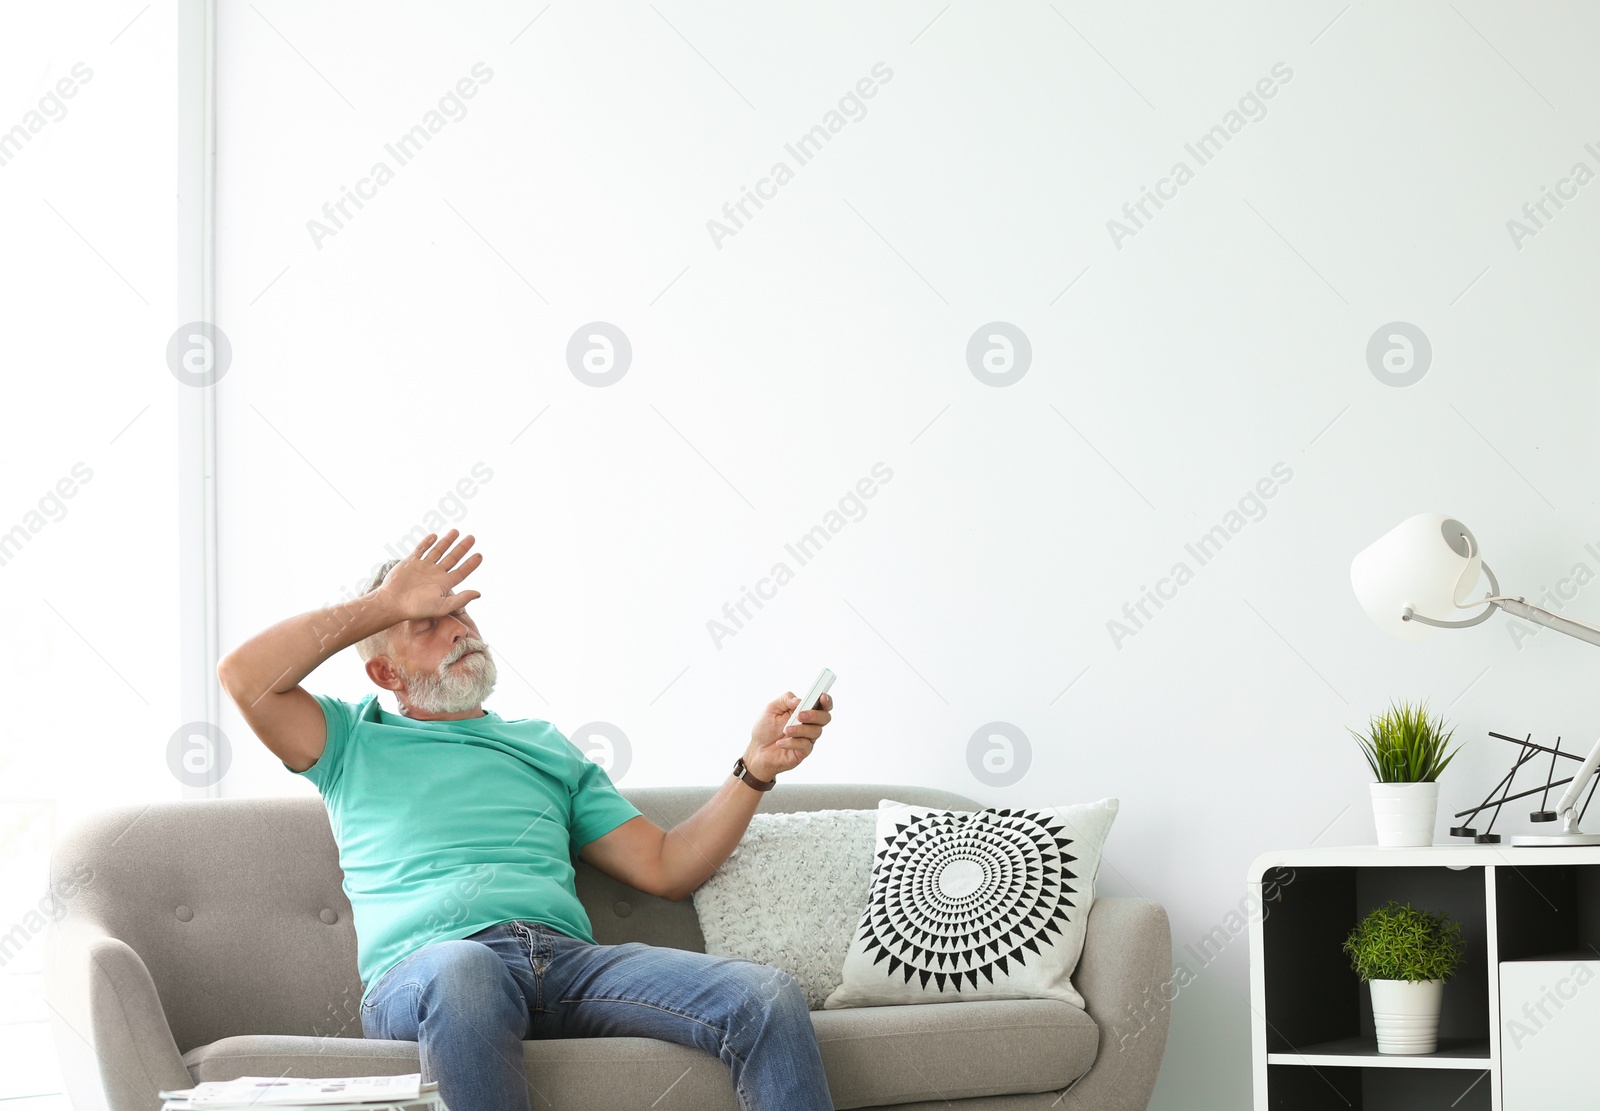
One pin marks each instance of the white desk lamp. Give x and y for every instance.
(1415, 577)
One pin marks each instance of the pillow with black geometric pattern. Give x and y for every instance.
(986, 904)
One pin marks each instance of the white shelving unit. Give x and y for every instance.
(1312, 1041)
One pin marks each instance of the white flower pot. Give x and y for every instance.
(1406, 1015)
(1404, 813)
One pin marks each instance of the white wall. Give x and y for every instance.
(377, 366)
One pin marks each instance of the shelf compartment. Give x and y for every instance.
(1313, 997)
(1547, 911)
(1324, 1088)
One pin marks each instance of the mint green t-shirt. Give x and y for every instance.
(446, 828)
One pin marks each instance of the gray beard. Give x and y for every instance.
(454, 687)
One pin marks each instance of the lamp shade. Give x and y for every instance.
(1429, 562)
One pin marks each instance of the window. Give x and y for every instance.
(87, 153)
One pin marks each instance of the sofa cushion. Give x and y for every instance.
(874, 1056)
(936, 1052)
(791, 893)
(987, 904)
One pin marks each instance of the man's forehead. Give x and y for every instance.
(414, 624)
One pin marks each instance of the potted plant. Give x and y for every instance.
(1406, 955)
(1405, 748)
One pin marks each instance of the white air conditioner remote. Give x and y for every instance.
(813, 696)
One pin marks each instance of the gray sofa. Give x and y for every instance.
(212, 939)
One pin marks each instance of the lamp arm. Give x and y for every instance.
(1521, 607)
(1516, 606)
(1409, 614)
(1568, 806)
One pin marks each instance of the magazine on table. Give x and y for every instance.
(321, 1092)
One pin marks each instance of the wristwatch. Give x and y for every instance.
(744, 773)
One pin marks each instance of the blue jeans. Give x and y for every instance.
(470, 1004)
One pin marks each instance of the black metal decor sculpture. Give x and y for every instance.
(1501, 792)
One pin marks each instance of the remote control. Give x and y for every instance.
(813, 696)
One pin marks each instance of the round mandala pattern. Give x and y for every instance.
(956, 895)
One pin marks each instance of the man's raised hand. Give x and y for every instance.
(423, 584)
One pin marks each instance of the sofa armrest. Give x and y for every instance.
(111, 1032)
(1123, 976)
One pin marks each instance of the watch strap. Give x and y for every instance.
(744, 773)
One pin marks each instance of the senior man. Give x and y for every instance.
(457, 833)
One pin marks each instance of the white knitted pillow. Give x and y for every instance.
(791, 894)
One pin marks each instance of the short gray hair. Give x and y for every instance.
(378, 643)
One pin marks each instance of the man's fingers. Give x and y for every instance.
(820, 714)
(453, 556)
(440, 546)
(466, 568)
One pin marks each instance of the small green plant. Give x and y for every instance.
(1404, 745)
(1397, 942)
